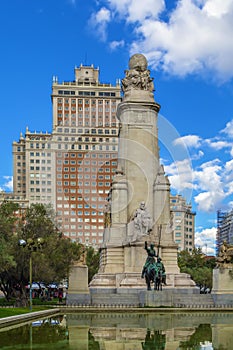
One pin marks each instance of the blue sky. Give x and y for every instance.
(189, 47)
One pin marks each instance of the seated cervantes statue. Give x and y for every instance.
(142, 219)
(225, 255)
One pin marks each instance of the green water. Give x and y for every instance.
(123, 331)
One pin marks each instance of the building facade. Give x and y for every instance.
(72, 167)
(224, 228)
(183, 221)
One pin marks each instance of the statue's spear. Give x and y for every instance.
(160, 231)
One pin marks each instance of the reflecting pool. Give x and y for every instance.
(123, 331)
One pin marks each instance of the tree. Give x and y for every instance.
(197, 266)
(50, 261)
(92, 261)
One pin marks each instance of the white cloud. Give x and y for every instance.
(228, 168)
(99, 22)
(228, 130)
(137, 10)
(208, 178)
(198, 155)
(180, 175)
(218, 145)
(114, 45)
(209, 201)
(188, 140)
(206, 239)
(7, 184)
(195, 37)
(217, 8)
(210, 182)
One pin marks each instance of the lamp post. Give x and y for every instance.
(33, 245)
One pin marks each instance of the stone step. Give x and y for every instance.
(196, 299)
(115, 299)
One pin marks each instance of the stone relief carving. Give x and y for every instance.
(82, 258)
(225, 256)
(138, 76)
(107, 215)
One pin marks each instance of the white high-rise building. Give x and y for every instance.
(183, 220)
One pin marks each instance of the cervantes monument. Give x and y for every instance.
(139, 203)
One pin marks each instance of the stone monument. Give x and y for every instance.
(138, 208)
(78, 291)
(222, 290)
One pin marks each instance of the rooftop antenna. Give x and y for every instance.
(85, 60)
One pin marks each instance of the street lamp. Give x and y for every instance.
(33, 245)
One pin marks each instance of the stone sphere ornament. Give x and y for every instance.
(138, 62)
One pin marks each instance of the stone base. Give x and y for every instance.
(78, 299)
(78, 291)
(78, 280)
(137, 297)
(223, 280)
(134, 280)
(222, 291)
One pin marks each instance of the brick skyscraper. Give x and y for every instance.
(72, 167)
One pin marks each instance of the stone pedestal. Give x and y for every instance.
(78, 292)
(140, 194)
(222, 291)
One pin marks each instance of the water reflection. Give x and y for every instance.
(154, 340)
(123, 331)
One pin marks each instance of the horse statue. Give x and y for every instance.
(153, 275)
(153, 271)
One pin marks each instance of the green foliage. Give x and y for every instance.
(8, 225)
(197, 266)
(7, 312)
(92, 261)
(202, 333)
(50, 262)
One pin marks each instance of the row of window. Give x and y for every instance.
(81, 233)
(37, 182)
(81, 163)
(87, 93)
(88, 147)
(86, 109)
(38, 175)
(84, 155)
(41, 198)
(48, 190)
(88, 131)
(40, 154)
(80, 177)
(93, 102)
(38, 161)
(84, 190)
(43, 168)
(80, 206)
(86, 139)
(87, 241)
(86, 199)
(81, 183)
(178, 234)
(91, 123)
